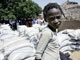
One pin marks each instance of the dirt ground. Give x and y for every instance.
(75, 55)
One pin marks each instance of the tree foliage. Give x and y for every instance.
(19, 9)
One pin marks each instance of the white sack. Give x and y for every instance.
(17, 45)
(25, 52)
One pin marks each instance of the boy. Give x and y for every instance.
(47, 48)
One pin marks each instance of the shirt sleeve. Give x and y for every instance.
(44, 39)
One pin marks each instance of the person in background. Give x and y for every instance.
(34, 21)
(42, 21)
(48, 48)
(38, 20)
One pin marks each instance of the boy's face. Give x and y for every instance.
(54, 17)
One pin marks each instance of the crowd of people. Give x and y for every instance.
(42, 41)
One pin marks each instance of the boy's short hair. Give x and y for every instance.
(50, 6)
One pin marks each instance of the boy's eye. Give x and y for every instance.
(54, 17)
(58, 17)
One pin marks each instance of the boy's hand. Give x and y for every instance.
(37, 59)
(67, 54)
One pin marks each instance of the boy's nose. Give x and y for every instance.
(56, 21)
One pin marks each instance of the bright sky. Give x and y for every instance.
(42, 3)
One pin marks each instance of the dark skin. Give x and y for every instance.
(54, 18)
(54, 21)
(68, 55)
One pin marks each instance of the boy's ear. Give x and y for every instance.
(46, 20)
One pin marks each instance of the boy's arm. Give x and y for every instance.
(44, 39)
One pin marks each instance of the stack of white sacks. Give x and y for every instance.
(31, 32)
(21, 44)
(15, 45)
(69, 40)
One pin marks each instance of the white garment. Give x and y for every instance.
(48, 46)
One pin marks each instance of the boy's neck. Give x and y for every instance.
(54, 30)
